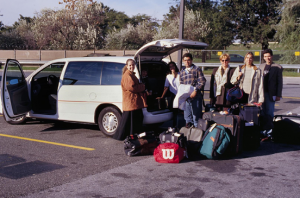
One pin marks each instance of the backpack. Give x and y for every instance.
(214, 142)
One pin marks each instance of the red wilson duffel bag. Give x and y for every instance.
(169, 153)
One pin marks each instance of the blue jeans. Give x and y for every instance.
(193, 109)
(268, 108)
(268, 105)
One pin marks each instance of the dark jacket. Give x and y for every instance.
(221, 99)
(275, 81)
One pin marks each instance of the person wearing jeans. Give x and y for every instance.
(273, 82)
(192, 75)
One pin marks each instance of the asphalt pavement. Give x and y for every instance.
(270, 171)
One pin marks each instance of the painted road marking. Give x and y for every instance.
(47, 142)
(291, 97)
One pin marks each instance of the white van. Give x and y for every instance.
(86, 89)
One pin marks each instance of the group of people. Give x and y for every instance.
(260, 85)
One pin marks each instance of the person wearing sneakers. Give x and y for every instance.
(273, 82)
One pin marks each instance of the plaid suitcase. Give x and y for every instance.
(234, 124)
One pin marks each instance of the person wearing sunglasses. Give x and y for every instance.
(250, 80)
(220, 83)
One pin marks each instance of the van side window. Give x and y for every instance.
(111, 73)
(83, 73)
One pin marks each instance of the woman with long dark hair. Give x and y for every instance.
(171, 85)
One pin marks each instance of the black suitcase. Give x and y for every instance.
(250, 113)
(251, 137)
(286, 130)
(235, 126)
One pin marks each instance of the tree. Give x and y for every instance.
(114, 20)
(23, 28)
(17, 36)
(78, 27)
(131, 37)
(288, 30)
(221, 33)
(253, 20)
(194, 27)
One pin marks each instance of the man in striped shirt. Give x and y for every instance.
(192, 75)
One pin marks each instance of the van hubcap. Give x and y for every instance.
(110, 122)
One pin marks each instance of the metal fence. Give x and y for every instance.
(202, 58)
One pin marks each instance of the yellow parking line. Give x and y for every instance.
(47, 142)
(291, 97)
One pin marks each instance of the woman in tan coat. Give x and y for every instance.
(250, 79)
(132, 103)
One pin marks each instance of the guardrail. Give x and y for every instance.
(38, 63)
(285, 66)
(203, 65)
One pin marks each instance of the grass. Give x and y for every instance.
(207, 71)
(242, 50)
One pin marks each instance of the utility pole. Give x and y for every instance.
(181, 29)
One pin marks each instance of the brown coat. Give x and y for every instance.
(132, 92)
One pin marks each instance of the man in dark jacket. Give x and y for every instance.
(273, 83)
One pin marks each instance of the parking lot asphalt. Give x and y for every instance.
(270, 171)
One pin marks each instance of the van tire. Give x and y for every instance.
(20, 120)
(109, 120)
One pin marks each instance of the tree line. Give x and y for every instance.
(86, 24)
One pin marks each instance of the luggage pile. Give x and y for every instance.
(218, 135)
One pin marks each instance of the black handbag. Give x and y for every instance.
(170, 136)
(141, 144)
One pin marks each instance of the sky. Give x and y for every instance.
(11, 9)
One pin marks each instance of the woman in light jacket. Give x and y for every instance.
(132, 103)
(220, 83)
(250, 80)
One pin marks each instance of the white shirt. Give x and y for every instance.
(172, 83)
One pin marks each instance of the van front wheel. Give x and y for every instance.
(109, 120)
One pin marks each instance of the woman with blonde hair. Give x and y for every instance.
(220, 83)
(132, 103)
(250, 80)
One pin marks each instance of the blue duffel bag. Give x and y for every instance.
(214, 142)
